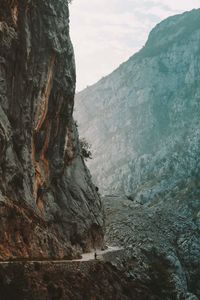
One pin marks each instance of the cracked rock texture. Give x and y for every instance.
(48, 204)
(162, 244)
(144, 127)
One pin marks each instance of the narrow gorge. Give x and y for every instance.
(143, 124)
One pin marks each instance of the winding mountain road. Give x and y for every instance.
(85, 257)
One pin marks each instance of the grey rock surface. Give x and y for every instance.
(143, 123)
(48, 204)
(161, 244)
(143, 119)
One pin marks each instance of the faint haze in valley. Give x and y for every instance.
(106, 33)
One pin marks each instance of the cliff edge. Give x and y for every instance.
(48, 204)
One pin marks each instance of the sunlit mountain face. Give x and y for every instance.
(143, 119)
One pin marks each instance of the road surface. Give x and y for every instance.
(100, 253)
(85, 257)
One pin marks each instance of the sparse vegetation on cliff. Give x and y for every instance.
(85, 149)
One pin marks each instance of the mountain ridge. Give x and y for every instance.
(131, 86)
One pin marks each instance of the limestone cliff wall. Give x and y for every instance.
(143, 119)
(48, 204)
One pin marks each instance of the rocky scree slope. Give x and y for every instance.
(143, 124)
(161, 244)
(48, 204)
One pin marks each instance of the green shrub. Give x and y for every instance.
(85, 149)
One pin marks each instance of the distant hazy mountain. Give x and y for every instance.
(143, 122)
(143, 119)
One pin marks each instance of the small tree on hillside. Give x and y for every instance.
(85, 149)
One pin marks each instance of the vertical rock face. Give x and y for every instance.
(48, 203)
(143, 119)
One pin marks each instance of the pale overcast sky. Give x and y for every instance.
(106, 33)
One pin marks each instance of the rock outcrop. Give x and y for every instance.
(48, 204)
(144, 127)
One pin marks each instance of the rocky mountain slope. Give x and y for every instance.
(144, 127)
(143, 119)
(161, 241)
(48, 204)
(85, 281)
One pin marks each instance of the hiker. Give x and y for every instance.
(95, 255)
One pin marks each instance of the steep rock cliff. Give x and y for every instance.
(143, 119)
(48, 204)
